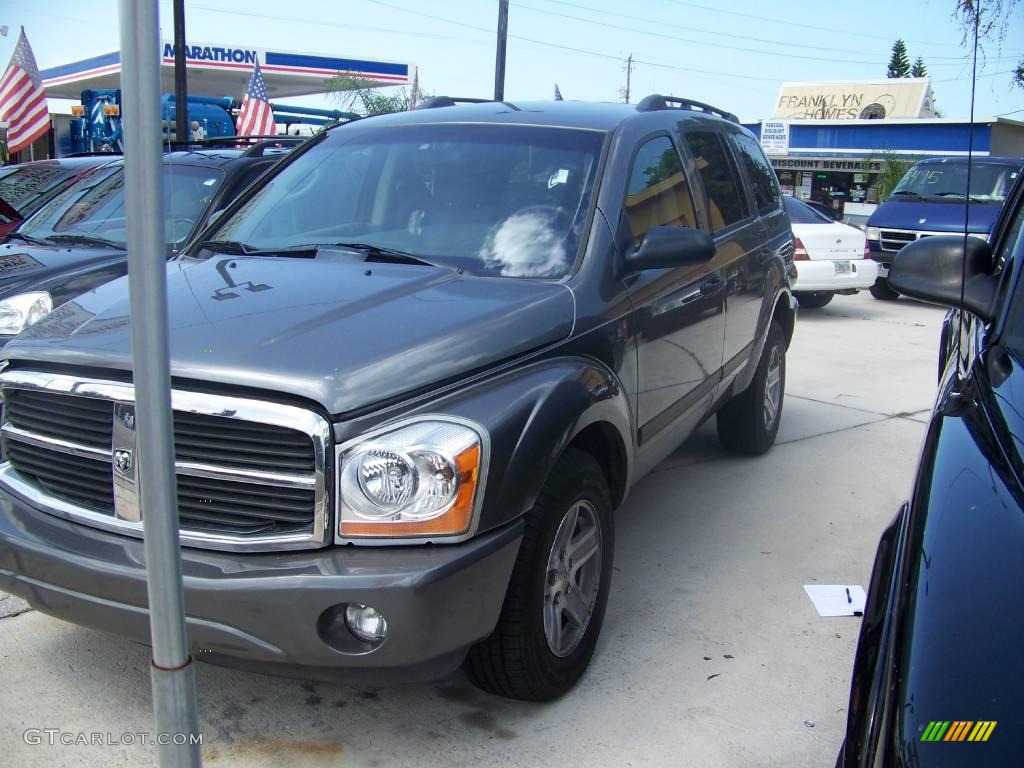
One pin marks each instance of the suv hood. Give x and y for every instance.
(346, 335)
(23, 267)
(938, 216)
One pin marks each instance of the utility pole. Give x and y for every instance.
(499, 63)
(181, 127)
(171, 669)
(629, 75)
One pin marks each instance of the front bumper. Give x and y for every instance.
(267, 611)
(821, 275)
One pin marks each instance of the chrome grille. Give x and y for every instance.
(254, 479)
(894, 239)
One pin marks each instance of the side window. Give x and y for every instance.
(725, 200)
(658, 194)
(760, 173)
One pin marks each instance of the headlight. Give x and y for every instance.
(417, 480)
(19, 312)
(872, 233)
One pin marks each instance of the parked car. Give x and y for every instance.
(930, 200)
(77, 240)
(939, 659)
(27, 187)
(830, 257)
(416, 368)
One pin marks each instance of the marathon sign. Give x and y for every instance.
(209, 53)
(822, 164)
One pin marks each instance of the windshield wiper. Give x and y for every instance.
(309, 250)
(86, 240)
(27, 238)
(379, 253)
(949, 194)
(226, 246)
(906, 192)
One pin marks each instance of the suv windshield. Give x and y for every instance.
(93, 207)
(496, 200)
(990, 182)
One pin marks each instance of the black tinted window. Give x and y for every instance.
(801, 213)
(658, 194)
(760, 173)
(716, 169)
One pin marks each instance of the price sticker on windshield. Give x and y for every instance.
(16, 262)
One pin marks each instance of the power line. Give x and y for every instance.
(692, 41)
(955, 60)
(559, 46)
(790, 23)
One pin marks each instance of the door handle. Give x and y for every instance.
(712, 284)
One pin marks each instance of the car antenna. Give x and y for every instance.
(967, 194)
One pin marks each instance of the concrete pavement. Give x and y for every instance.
(711, 652)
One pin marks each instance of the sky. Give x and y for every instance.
(729, 53)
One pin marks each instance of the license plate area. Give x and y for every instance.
(843, 267)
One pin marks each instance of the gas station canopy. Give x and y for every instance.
(224, 70)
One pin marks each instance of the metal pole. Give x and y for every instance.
(181, 126)
(629, 75)
(499, 64)
(171, 672)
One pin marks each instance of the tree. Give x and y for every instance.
(919, 69)
(992, 19)
(362, 96)
(899, 64)
(893, 169)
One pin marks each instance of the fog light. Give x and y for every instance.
(366, 623)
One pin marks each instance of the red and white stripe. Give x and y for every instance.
(256, 118)
(22, 101)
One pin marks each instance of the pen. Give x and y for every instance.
(848, 598)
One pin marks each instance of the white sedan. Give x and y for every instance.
(830, 257)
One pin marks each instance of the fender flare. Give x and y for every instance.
(532, 414)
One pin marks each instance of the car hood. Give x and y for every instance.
(937, 216)
(24, 266)
(346, 335)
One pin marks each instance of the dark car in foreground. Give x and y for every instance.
(415, 369)
(937, 679)
(77, 240)
(27, 187)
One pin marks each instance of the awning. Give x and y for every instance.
(224, 70)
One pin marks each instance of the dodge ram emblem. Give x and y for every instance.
(123, 461)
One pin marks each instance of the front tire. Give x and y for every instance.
(557, 595)
(813, 300)
(749, 422)
(883, 291)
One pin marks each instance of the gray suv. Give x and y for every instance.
(415, 369)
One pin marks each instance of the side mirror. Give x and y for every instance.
(663, 247)
(931, 269)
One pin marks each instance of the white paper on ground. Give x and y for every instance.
(837, 599)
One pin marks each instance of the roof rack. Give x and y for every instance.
(656, 102)
(259, 148)
(448, 101)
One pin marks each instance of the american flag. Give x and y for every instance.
(558, 93)
(22, 101)
(256, 118)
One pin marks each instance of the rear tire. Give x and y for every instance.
(556, 598)
(883, 291)
(749, 422)
(813, 300)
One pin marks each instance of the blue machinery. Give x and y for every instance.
(96, 123)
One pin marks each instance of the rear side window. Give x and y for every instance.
(760, 173)
(725, 201)
(658, 194)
